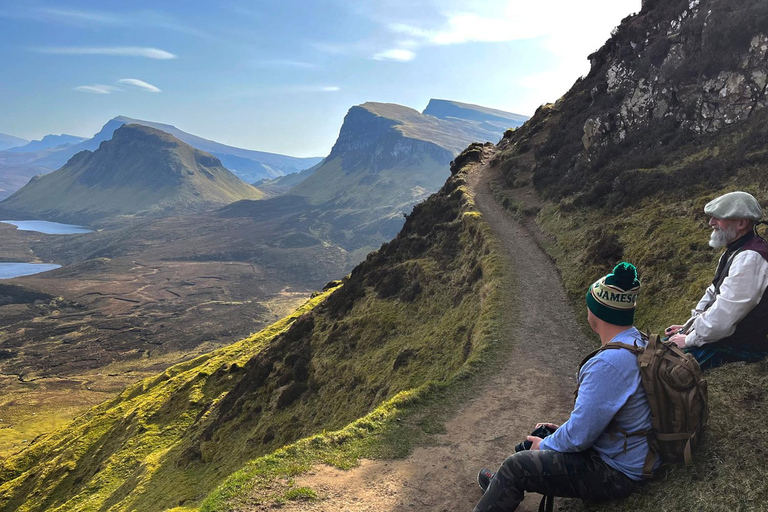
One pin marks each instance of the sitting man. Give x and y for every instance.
(589, 457)
(730, 322)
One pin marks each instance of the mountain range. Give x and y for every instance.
(9, 141)
(139, 170)
(19, 165)
(387, 158)
(48, 142)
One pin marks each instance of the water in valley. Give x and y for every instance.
(11, 270)
(49, 228)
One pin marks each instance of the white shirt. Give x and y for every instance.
(740, 292)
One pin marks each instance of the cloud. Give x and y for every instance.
(97, 89)
(468, 21)
(397, 54)
(331, 88)
(141, 84)
(90, 18)
(120, 51)
(109, 89)
(81, 16)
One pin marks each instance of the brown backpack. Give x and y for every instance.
(677, 396)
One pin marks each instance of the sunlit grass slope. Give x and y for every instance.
(415, 315)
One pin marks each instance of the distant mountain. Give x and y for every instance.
(386, 154)
(9, 141)
(48, 142)
(140, 170)
(248, 165)
(488, 118)
(386, 159)
(282, 184)
(17, 166)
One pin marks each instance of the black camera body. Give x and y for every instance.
(542, 432)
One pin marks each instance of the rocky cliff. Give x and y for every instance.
(386, 159)
(700, 64)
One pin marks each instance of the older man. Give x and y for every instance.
(730, 322)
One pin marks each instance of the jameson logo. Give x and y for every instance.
(627, 298)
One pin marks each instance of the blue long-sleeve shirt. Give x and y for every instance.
(610, 390)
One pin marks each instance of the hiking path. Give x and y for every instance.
(535, 384)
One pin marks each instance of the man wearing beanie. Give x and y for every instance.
(730, 322)
(598, 454)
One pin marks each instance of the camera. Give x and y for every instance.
(542, 432)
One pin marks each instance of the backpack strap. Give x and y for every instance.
(632, 348)
(644, 356)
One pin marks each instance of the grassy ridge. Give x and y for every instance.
(408, 418)
(416, 314)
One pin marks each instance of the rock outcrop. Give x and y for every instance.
(681, 70)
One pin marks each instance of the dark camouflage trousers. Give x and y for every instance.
(573, 475)
(713, 355)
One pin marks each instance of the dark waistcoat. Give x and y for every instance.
(751, 332)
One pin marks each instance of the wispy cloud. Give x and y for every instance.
(141, 84)
(81, 16)
(397, 54)
(453, 22)
(121, 51)
(132, 83)
(97, 89)
(94, 18)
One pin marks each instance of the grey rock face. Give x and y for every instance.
(700, 104)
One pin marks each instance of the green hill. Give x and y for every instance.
(386, 159)
(141, 170)
(415, 313)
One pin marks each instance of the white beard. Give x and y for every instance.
(721, 237)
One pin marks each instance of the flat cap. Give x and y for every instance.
(735, 205)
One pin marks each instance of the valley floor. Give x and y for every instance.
(96, 326)
(545, 345)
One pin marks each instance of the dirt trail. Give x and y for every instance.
(535, 384)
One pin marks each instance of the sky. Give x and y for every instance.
(279, 76)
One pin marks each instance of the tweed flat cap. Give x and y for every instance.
(734, 205)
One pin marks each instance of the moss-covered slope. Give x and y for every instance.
(411, 314)
(671, 115)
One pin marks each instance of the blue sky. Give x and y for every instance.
(280, 75)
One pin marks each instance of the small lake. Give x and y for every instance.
(11, 270)
(49, 228)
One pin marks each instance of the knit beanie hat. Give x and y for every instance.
(613, 298)
(735, 205)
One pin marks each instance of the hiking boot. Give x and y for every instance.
(484, 478)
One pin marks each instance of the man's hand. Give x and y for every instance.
(535, 441)
(551, 426)
(678, 339)
(672, 329)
